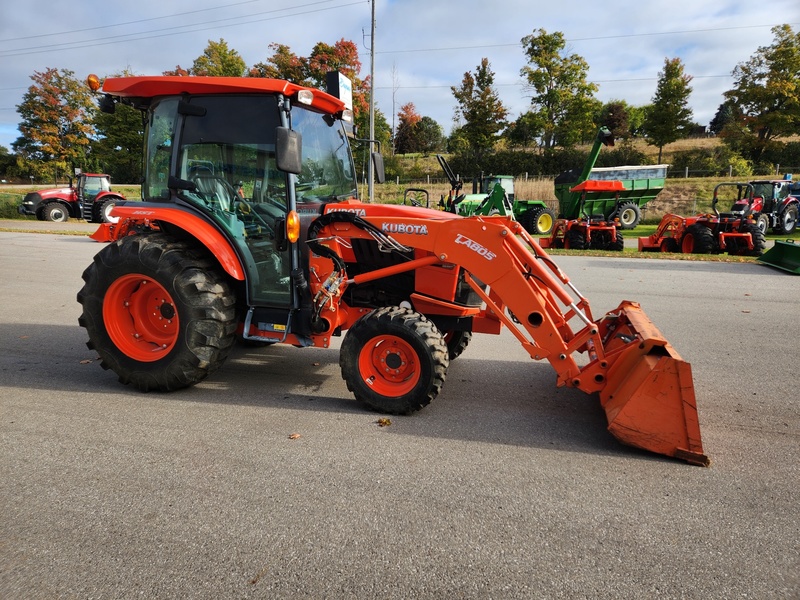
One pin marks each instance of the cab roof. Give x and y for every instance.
(169, 85)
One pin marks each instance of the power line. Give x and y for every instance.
(586, 39)
(522, 83)
(181, 14)
(176, 30)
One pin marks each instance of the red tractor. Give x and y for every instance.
(736, 232)
(89, 197)
(250, 227)
(773, 206)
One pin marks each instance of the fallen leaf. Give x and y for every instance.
(384, 422)
(294, 436)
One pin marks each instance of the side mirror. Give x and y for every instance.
(106, 104)
(289, 151)
(380, 172)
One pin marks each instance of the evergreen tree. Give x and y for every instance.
(480, 109)
(117, 147)
(669, 117)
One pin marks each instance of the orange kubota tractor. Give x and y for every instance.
(250, 226)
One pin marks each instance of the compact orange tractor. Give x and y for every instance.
(589, 231)
(736, 233)
(296, 258)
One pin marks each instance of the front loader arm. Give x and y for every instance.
(644, 385)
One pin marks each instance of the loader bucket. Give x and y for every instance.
(783, 255)
(104, 233)
(649, 395)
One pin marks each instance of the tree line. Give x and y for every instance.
(61, 129)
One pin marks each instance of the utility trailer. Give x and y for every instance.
(641, 185)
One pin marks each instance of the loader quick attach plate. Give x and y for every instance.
(649, 395)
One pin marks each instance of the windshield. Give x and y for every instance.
(228, 150)
(328, 174)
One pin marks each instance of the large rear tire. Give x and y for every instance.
(787, 221)
(758, 238)
(629, 215)
(394, 360)
(159, 313)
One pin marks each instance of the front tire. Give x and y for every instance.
(55, 212)
(103, 212)
(698, 239)
(575, 240)
(159, 314)
(394, 360)
(457, 342)
(762, 221)
(538, 220)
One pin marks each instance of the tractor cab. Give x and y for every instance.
(234, 160)
(87, 187)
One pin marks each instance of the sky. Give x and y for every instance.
(421, 48)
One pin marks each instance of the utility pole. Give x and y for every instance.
(371, 175)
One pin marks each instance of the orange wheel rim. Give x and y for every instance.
(141, 318)
(389, 365)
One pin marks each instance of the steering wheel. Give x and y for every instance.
(245, 212)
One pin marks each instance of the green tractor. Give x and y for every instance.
(495, 196)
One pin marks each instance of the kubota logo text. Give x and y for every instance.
(356, 211)
(404, 228)
(475, 247)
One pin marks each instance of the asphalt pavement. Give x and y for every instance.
(267, 480)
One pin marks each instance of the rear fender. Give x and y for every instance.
(205, 233)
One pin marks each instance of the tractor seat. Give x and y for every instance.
(216, 190)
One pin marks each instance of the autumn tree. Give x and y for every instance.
(56, 124)
(479, 110)
(669, 118)
(312, 71)
(766, 93)
(408, 119)
(283, 64)
(562, 100)
(217, 60)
